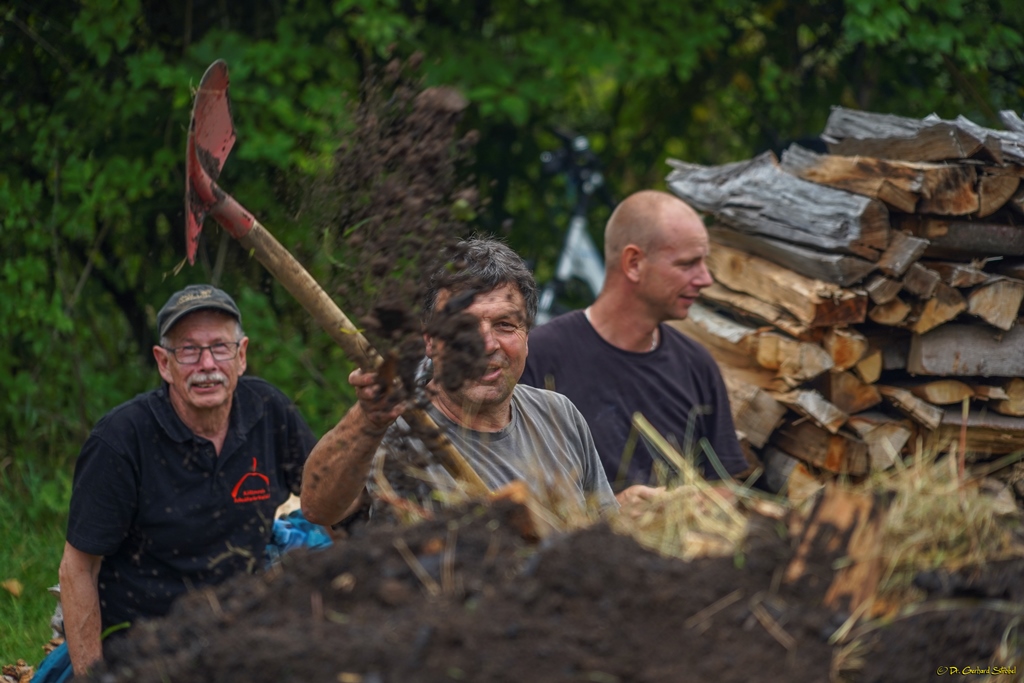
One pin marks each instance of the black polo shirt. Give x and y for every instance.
(165, 512)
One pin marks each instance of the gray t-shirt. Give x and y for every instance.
(546, 444)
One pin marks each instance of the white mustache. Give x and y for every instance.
(206, 378)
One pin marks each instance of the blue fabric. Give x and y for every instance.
(56, 667)
(295, 531)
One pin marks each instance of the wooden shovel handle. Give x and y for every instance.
(308, 292)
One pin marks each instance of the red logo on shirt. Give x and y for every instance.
(252, 487)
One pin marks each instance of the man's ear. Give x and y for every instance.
(163, 360)
(429, 343)
(631, 261)
(243, 347)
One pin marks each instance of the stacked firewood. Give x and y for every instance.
(868, 296)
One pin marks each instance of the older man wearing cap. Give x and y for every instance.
(177, 488)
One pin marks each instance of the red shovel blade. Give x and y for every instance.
(211, 136)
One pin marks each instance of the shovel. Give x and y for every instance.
(210, 139)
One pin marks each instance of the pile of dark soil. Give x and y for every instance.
(463, 597)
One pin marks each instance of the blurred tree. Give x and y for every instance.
(96, 98)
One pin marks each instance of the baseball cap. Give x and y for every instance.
(195, 298)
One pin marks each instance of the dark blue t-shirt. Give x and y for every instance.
(677, 387)
(166, 512)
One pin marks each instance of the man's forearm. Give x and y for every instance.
(80, 603)
(338, 467)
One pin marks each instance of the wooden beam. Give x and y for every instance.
(840, 269)
(882, 290)
(842, 453)
(997, 302)
(754, 411)
(958, 239)
(966, 350)
(903, 250)
(759, 197)
(814, 303)
(947, 304)
(812, 405)
(920, 411)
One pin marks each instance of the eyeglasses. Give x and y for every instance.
(189, 355)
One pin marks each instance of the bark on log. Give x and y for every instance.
(885, 436)
(812, 405)
(997, 302)
(987, 433)
(903, 250)
(840, 269)
(947, 304)
(958, 239)
(757, 196)
(842, 453)
(848, 393)
(958, 274)
(920, 411)
(921, 281)
(849, 132)
(882, 290)
(814, 303)
(754, 411)
(746, 306)
(965, 350)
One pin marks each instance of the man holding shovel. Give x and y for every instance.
(506, 432)
(177, 488)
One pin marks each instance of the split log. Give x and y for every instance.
(759, 197)
(903, 250)
(1013, 404)
(842, 453)
(812, 405)
(966, 350)
(789, 476)
(1010, 267)
(958, 274)
(845, 345)
(941, 392)
(920, 411)
(956, 197)
(885, 436)
(947, 304)
(988, 392)
(850, 133)
(848, 393)
(741, 346)
(921, 281)
(882, 290)
(850, 523)
(987, 432)
(814, 303)
(894, 345)
(892, 313)
(961, 238)
(869, 368)
(997, 302)
(840, 269)
(744, 305)
(994, 191)
(754, 411)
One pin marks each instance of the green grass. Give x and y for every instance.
(33, 516)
